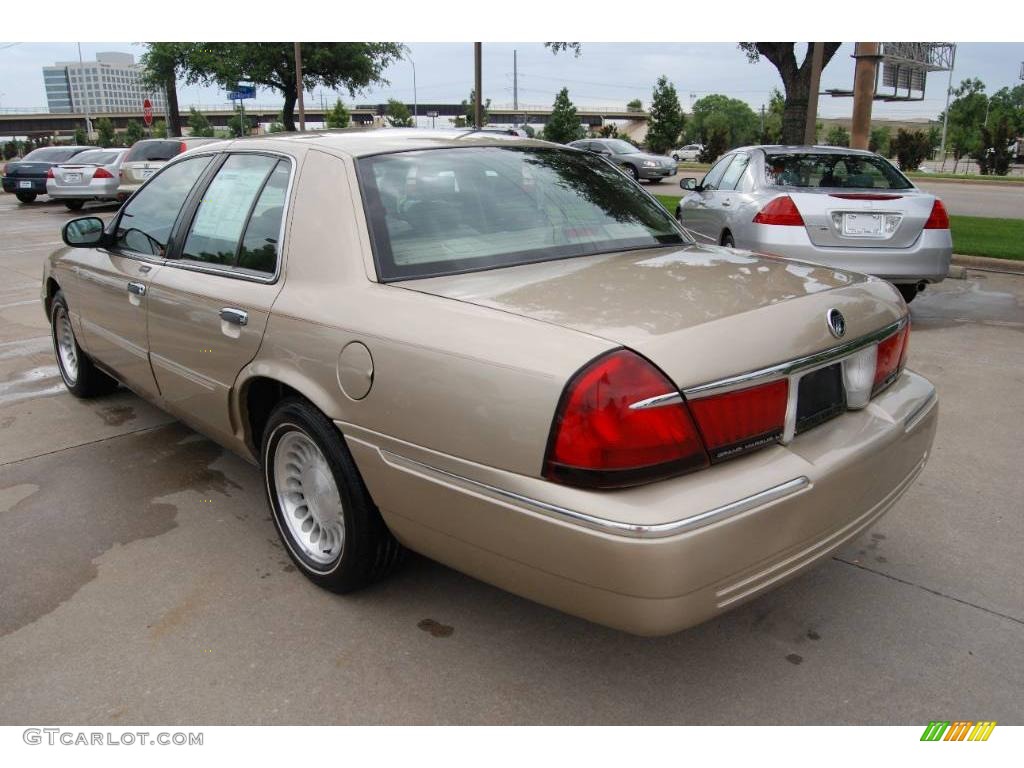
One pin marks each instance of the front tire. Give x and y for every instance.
(74, 205)
(323, 512)
(632, 171)
(25, 197)
(81, 377)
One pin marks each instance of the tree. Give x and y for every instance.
(563, 125)
(80, 138)
(530, 132)
(469, 110)
(162, 63)
(158, 130)
(910, 148)
(771, 132)
(837, 136)
(105, 132)
(338, 116)
(796, 79)
(199, 123)
(720, 113)
(666, 121)
(398, 114)
(994, 154)
(635, 106)
(609, 131)
(879, 140)
(134, 132)
(1009, 104)
(967, 114)
(240, 124)
(576, 48)
(352, 66)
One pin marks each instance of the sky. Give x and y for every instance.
(605, 74)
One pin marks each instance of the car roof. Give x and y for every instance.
(818, 149)
(362, 143)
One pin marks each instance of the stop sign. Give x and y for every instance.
(147, 111)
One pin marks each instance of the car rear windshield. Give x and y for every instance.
(153, 150)
(446, 211)
(96, 157)
(50, 155)
(833, 171)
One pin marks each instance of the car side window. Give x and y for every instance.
(147, 219)
(220, 220)
(733, 173)
(260, 246)
(714, 176)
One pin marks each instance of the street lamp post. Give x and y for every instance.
(415, 101)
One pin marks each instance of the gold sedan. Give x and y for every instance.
(502, 354)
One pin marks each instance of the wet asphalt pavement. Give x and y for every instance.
(141, 579)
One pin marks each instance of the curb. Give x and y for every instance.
(1008, 266)
(995, 182)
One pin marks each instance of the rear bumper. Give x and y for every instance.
(657, 559)
(928, 259)
(97, 191)
(124, 190)
(13, 184)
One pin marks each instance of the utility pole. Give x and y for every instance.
(478, 109)
(85, 99)
(415, 101)
(945, 114)
(811, 126)
(764, 139)
(515, 80)
(864, 79)
(298, 85)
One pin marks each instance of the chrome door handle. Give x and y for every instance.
(236, 316)
(726, 203)
(137, 288)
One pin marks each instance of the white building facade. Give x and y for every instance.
(111, 84)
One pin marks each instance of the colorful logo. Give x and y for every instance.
(958, 730)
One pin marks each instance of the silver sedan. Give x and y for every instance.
(92, 175)
(839, 207)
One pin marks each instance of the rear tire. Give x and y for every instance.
(25, 197)
(74, 205)
(81, 377)
(728, 241)
(907, 291)
(330, 526)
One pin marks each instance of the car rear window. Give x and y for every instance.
(446, 211)
(50, 155)
(833, 171)
(96, 157)
(153, 150)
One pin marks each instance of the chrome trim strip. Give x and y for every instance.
(669, 398)
(915, 416)
(792, 366)
(640, 531)
(210, 385)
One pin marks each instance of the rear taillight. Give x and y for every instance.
(938, 219)
(601, 439)
(891, 358)
(102, 173)
(183, 147)
(49, 173)
(781, 211)
(740, 421)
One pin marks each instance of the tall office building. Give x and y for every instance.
(111, 84)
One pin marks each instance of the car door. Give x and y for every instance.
(112, 284)
(696, 210)
(208, 306)
(726, 199)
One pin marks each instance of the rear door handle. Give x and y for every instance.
(235, 316)
(726, 203)
(137, 288)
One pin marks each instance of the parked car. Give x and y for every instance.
(634, 161)
(92, 175)
(844, 208)
(26, 178)
(689, 153)
(147, 156)
(501, 354)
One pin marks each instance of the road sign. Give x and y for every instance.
(147, 112)
(242, 92)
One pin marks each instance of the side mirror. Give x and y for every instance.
(86, 232)
(689, 184)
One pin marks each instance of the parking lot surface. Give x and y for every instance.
(142, 581)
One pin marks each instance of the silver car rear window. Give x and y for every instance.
(154, 150)
(446, 211)
(832, 171)
(95, 157)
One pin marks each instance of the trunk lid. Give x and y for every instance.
(699, 312)
(137, 172)
(27, 170)
(72, 175)
(846, 218)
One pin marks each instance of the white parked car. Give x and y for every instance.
(689, 153)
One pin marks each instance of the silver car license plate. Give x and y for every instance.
(73, 178)
(146, 173)
(25, 184)
(862, 224)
